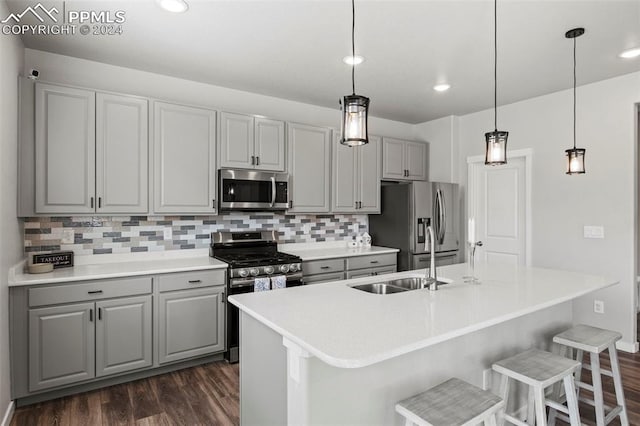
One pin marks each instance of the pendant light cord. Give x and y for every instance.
(353, 46)
(574, 93)
(495, 64)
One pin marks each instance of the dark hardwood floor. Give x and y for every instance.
(208, 395)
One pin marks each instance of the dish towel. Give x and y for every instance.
(278, 281)
(261, 284)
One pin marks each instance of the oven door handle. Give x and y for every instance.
(273, 191)
(248, 282)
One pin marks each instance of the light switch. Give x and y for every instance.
(593, 231)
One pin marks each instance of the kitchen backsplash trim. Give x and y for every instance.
(89, 235)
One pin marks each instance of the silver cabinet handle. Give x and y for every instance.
(90, 315)
(325, 267)
(195, 281)
(95, 292)
(273, 190)
(253, 160)
(373, 262)
(99, 314)
(257, 160)
(222, 297)
(213, 203)
(91, 202)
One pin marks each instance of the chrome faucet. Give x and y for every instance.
(431, 278)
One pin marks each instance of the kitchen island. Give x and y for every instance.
(332, 354)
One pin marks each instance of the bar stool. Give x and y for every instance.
(452, 403)
(539, 370)
(584, 338)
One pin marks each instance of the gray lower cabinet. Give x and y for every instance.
(191, 323)
(61, 345)
(123, 335)
(319, 271)
(359, 273)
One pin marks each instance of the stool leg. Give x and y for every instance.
(531, 408)
(557, 387)
(597, 388)
(491, 421)
(578, 374)
(617, 382)
(572, 400)
(504, 394)
(541, 412)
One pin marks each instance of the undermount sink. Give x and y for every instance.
(379, 288)
(395, 286)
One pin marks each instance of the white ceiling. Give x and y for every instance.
(293, 49)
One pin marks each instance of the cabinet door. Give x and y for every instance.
(184, 159)
(191, 323)
(310, 169)
(369, 175)
(61, 345)
(393, 163)
(121, 154)
(236, 141)
(345, 177)
(65, 150)
(416, 160)
(123, 335)
(269, 144)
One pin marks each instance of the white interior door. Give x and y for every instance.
(498, 200)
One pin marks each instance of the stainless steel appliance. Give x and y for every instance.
(250, 255)
(253, 190)
(407, 209)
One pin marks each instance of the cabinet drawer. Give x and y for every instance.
(323, 278)
(371, 272)
(373, 261)
(323, 266)
(89, 290)
(186, 280)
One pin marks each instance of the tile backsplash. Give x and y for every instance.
(86, 235)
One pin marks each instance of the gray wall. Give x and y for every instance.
(11, 59)
(562, 204)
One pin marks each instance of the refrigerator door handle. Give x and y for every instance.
(442, 222)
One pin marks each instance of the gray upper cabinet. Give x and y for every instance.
(184, 159)
(191, 323)
(309, 159)
(121, 154)
(90, 152)
(356, 177)
(123, 335)
(64, 150)
(248, 142)
(404, 160)
(61, 345)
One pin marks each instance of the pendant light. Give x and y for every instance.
(496, 141)
(575, 156)
(355, 108)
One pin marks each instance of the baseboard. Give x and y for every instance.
(628, 347)
(8, 414)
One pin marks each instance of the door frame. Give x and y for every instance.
(473, 162)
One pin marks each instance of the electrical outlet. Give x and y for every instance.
(593, 232)
(598, 306)
(167, 234)
(487, 376)
(68, 236)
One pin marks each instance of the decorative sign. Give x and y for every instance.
(61, 259)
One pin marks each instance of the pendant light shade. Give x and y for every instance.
(355, 108)
(496, 141)
(575, 156)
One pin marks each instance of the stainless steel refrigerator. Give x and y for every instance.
(407, 209)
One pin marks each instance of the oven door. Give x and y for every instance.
(252, 190)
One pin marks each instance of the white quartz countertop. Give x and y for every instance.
(124, 267)
(308, 252)
(349, 328)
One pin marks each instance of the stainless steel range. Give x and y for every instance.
(250, 255)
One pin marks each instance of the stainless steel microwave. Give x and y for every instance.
(253, 190)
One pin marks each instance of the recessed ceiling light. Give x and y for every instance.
(175, 6)
(353, 60)
(441, 87)
(630, 53)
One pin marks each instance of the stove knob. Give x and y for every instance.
(268, 270)
(243, 273)
(284, 268)
(254, 271)
(293, 267)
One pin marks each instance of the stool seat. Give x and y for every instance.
(536, 368)
(587, 338)
(452, 403)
